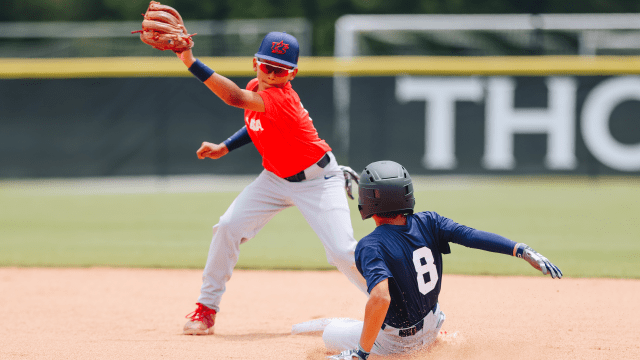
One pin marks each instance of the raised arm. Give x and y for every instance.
(487, 241)
(224, 88)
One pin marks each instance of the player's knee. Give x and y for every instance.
(329, 338)
(228, 227)
(342, 334)
(224, 222)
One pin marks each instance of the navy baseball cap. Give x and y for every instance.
(279, 47)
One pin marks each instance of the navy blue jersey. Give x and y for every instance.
(410, 256)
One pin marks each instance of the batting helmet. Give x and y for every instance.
(385, 186)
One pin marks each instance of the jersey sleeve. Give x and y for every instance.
(252, 84)
(270, 98)
(450, 231)
(371, 264)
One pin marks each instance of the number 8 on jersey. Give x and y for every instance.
(425, 264)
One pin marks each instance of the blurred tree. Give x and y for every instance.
(7, 12)
(125, 9)
(189, 9)
(321, 13)
(591, 6)
(52, 10)
(265, 8)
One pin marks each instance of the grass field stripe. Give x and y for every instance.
(167, 66)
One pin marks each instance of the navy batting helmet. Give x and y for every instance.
(385, 186)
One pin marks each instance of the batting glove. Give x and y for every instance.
(537, 260)
(357, 354)
(349, 176)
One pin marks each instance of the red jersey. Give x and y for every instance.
(284, 133)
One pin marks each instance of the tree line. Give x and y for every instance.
(321, 13)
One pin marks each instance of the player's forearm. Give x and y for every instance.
(226, 90)
(483, 240)
(487, 241)
(374, 314)
(239, 139)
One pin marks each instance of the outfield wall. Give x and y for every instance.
(143, 116)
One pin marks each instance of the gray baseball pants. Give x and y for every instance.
(320, 198)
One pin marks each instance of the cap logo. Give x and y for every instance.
(279, 47)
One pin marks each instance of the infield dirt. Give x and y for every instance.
(105, 313)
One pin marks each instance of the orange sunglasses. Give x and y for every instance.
(276, 70)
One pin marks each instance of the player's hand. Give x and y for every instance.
(349, 176)
(211, 150)
(537, 260)
(355, 354)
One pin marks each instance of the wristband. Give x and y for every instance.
(200, 70)
(363, 354)
(519, 249)
(240, 138)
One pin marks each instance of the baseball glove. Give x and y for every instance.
(163, 29)
(349, 175)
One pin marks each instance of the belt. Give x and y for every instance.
(409, 331)
(301, 176)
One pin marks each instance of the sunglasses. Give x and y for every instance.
(276, 70)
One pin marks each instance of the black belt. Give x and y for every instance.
(301, 176)
(409, 331)
(415, 328)
(412, 330)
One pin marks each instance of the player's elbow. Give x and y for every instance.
(380, 299)
(380, 294)
(233, 99)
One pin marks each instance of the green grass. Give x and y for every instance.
(589, 228)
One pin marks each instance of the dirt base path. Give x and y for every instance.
(138, 314)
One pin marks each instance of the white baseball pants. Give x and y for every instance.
(344, 334)
(320, 198)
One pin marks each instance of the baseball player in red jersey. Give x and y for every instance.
(299, 170)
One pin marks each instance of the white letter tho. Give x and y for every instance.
(596, 112)
(503, 121)
(440, 95)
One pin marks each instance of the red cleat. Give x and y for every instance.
(201, 321)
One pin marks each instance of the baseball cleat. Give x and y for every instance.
(201, 321)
